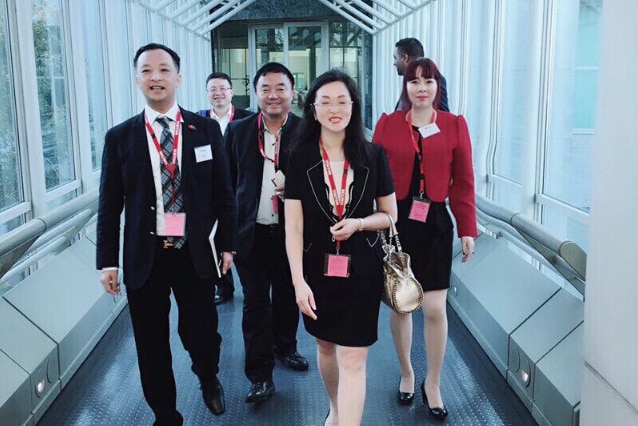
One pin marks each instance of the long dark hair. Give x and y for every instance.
(428, 70)
(309, 131)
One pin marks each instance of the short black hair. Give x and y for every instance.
(273, 67)
(222, 75)
(411, 47)
(156, 46)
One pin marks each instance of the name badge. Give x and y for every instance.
(174, 224)
(203, 153)
(429, 130)
(337, 265)
(275, 204)
(419, 209)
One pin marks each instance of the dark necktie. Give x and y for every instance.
(171, 188)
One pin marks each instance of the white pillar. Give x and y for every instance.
(610, 373)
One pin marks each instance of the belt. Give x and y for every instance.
(163, 243)
(272, 228)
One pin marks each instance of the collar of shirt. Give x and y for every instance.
(280, 129)
(151, 114)
(217, 117)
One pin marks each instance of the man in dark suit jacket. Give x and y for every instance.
(220, 95)
(168, 169)
(407, 50)
(258, 151)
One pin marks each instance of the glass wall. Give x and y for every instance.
(572, 113)
(232, 58)
(96, 85)
(53, 84)
(10, 169)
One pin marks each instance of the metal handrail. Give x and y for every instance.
(21, 241)
(567, 257)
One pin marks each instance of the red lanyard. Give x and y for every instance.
(339, 199)
(170, 167)
(232, 113)
(260, 139)
(419, 153)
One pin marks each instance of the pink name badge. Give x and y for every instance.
(419, 209)
(174, 224)
(275, 204)
(337, 265)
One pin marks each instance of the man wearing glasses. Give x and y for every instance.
(220, 96)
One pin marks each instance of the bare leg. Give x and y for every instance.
(327, 361)
(435, 334)
(352, 384)
(401, 328)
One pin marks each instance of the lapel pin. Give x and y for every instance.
(191, 127)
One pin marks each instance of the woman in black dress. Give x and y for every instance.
(334, 179)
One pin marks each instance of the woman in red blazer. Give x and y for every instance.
(430, 156)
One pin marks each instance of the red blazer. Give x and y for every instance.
(447, 160)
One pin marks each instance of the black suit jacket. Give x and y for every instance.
(306, 183)
(127, 182)
(246, 169)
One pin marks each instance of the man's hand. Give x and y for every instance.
(109, 282)
(227, 262)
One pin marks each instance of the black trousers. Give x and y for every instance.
(269, 325)
(197, 327)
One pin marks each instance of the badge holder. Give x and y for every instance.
(174, 224)
(419, 209)
(336, 265)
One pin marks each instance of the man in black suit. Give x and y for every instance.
(407, 50)
(168, 169)
(257, 149)
(220, 95)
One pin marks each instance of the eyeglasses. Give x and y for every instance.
(337, 105)
(218, 89)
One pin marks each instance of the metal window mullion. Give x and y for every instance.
(497, 67)
(545, 104)
(28, 113)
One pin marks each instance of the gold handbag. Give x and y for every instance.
(401, 291)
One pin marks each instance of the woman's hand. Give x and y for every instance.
(306, 300)
(467, 245)
(343, 229)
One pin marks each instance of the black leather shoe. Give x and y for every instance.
(294, 361)
(439, 413)
(213, 394)
(260, 392)
(405, 398)
(222, 295)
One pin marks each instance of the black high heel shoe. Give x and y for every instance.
(439, 413)
(405, 398)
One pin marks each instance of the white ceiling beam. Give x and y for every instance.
(161, 5)
(362, 16)
(392, 10)
(184, 8)
(349, 17)
(202, 10)
(371, 11)
(218, 22)
(216, 14)
(206, 19)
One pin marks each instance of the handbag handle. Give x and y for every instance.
(393, 233)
